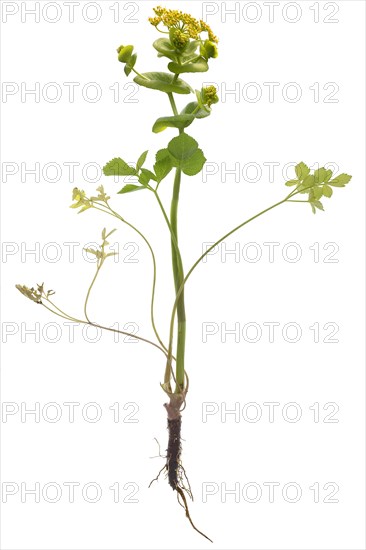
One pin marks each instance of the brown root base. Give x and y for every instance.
(174, 451)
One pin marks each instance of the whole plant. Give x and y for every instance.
(188, 45)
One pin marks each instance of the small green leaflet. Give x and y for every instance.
(129, 188)
(327, 191)
(141, 160)
(302, 170)
(163, 164)
(146, 176)
(340, 181)
(118, 167)
(105, 235)
(318, 192)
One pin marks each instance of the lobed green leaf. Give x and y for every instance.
(182, 147)
(118, 167)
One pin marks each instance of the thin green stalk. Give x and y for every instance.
(74, 319)
(90, 288)
(111, 212)
(174, 240)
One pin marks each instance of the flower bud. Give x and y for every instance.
(124, 53)
(178, 38)
(209, 95)
(209, 49)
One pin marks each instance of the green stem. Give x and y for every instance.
(173, 238)
(139, 74)
(179, 284)
(178, 274)
(172, 102)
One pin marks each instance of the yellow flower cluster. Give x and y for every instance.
(182, 21)
(209, 95)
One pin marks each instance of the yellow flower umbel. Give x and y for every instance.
(182, 27)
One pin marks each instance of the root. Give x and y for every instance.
(185, 506)
(157, 477)
(159, 455)
(176, 473)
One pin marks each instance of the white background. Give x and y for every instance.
(303, 292)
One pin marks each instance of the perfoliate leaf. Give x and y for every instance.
(302, 170)
(164, 82)
(129, 188)
(182, 147)
(194, 164)
(340, 181)
(183, 120)
(327, 191)
(177, 121)
(198, 66)
(165, 48)
(202, 112)
(190, 49)
(118, 167)
(141, 160)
